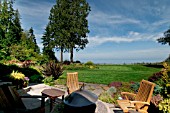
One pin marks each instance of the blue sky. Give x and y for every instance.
(121, 31)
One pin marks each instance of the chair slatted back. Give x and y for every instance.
(16, 98)
(144, 93)
(72, 82)
(4, 102)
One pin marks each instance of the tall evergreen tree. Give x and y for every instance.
(33, 42)
(68, 25)
(17, 26)
(10, 28)
(48, 48)
(79, 25)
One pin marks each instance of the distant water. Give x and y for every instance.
(122, 61)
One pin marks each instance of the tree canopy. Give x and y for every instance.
(15, 43)
(68, 26)
(166, 38)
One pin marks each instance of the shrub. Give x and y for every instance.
(162, 78)
(52, 69)
(49, 80)
(75, 67)
(77, 61)
(89, 63)
(29, 72)
(111, 90)
(36, 79)
(106, 97)
(115, 84)
(66, 62)
(155, 77)
(135, 86)
(166, 81)
(157, 90)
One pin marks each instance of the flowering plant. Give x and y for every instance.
(26, 80)
(17, 76)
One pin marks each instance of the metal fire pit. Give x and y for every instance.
(80, 101)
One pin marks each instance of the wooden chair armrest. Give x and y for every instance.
(139, 102)
(36, 96)
(32, 96)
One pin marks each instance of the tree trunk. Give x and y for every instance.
(61, 55)
(71, 55)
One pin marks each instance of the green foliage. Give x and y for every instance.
(89, 63)
(14, 43)
(32, 40)
(157, 89)
(49, 80)
(111, 90)
(165, 39)
(36, 79)
(75, 67)
(10, 28)
(68, 27)
(6, 70)
(61, 80)
(162, 78)
(112, 94)
(106, 97)
(52, 69)
(166, 80)
(135, 86)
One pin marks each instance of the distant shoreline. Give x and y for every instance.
(122, 61)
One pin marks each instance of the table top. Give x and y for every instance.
(53, 93)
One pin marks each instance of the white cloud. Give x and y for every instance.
(131, 37)
(33, 9)
(94, 41)
(99, 17)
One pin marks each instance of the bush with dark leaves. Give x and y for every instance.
(155, 77)
(115, 84)
(52, 69)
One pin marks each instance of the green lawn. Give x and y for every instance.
(106, 74)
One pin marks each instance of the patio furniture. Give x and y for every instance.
(80, 101)
(11, 102)
(53, 94)
(141, 100)
(72, 82)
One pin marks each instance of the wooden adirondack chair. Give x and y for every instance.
(141, 100)
(11, 102)
(72, 82)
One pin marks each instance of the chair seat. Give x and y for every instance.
(125, 105)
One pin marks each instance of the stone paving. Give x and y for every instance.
(95, 88)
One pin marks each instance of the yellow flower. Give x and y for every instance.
(16, 75)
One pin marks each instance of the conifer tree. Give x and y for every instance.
(68, 26)
(10, 28)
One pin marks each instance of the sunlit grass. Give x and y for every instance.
(106, 74)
